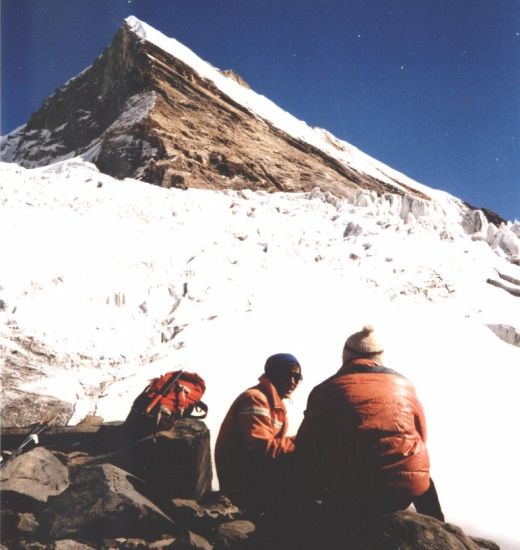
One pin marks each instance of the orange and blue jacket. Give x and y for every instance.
(252, 435)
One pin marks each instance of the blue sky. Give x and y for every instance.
(430, 87)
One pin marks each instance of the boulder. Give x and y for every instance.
(175, 463)
(30, 479)
(411, 531)
(24, 544)
(69, 544)
(186, 511)
(219, 507)
(203, 517)
(20, 408)
(311, 528)
(235, 534)
(485, 544)
(191, 541)
(136, 544)
(16, 525)
(104, 501)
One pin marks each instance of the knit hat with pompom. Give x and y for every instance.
(364, 342)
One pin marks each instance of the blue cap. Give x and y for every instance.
(279, 360)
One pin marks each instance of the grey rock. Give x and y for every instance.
(234, 534)
(28, 358)
(186, 511)
(23, 544)
(104, 501)
(205, 516)
(411, 531)
(91, 420)
(306, 529)
(236, 77)
(161, 544)
(20, 408)
(122, 543)
(176, 463)
(69, 544)
(507, 333)
(31, 478)
(136, 544)
(191, 541)
(485, 543)
(352, 230)
(16, 525)
(515, 291)
(219, 507)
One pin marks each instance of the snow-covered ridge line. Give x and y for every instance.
(446, 217)
(266, 109)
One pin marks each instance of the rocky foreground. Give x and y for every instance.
(155, 493)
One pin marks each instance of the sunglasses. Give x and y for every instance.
(296, 376)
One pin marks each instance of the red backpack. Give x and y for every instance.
(174, 395)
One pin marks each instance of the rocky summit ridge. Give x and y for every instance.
(149, 108)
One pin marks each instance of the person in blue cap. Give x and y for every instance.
(252, 449)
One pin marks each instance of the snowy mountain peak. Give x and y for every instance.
(263, 107)
(151, 109)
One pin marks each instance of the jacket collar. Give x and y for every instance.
(270, 391)
(359, 362)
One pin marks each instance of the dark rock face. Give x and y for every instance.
(104, 501)
(22, 408)
(31, 479)
(235, 534)
(78, 112)
(409, 531)
(68, 544)
(16, 525)
(77, 492)
(77, 498)
(191, 541)
(139, 112)
(402, 530)
(106, 507)
(174, 462)
(237, 78)
(27, 358)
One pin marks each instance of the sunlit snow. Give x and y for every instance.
(130, 280)
(142, 280)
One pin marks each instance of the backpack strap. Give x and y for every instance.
(199, 410)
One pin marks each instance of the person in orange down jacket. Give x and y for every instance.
(252, 452)
(362, 443)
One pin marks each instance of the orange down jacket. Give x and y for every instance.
(252, 435)
(363, 434)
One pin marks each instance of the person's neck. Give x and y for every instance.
(363, 360)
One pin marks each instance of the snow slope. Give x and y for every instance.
(140, 280)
